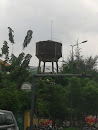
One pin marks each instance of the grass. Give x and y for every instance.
(73, 128)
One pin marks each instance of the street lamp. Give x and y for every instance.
(77, 44)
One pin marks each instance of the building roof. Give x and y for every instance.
(5, 63)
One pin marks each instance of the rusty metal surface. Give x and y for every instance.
(48, 51)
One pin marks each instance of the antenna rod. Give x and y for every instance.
(51, 30)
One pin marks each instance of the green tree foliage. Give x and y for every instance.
(5, 50)
(13, 99)
(12, 77)
(50, 99)
(89, 97)
(27, 38)
(11, 36)
(84, 91)
(52, 95)
(26, 61)
(80, 64)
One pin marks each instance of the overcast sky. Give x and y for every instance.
(72, 19)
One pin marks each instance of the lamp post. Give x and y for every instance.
(77, 44)
(72, 55)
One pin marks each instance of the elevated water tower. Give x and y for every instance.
(48, 51)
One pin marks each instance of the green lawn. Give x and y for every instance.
(72, 128)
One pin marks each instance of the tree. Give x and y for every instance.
(89, 98)
(50, 99)
(79, 64)
(11, 36)
(84, 90)
(13, 76)
(5, 50)
(27, 38)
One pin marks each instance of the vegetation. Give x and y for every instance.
(71, 128)
(14, 75)
(52, 95)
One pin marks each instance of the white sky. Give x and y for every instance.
(72, 19)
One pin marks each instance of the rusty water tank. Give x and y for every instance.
(48, 51)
